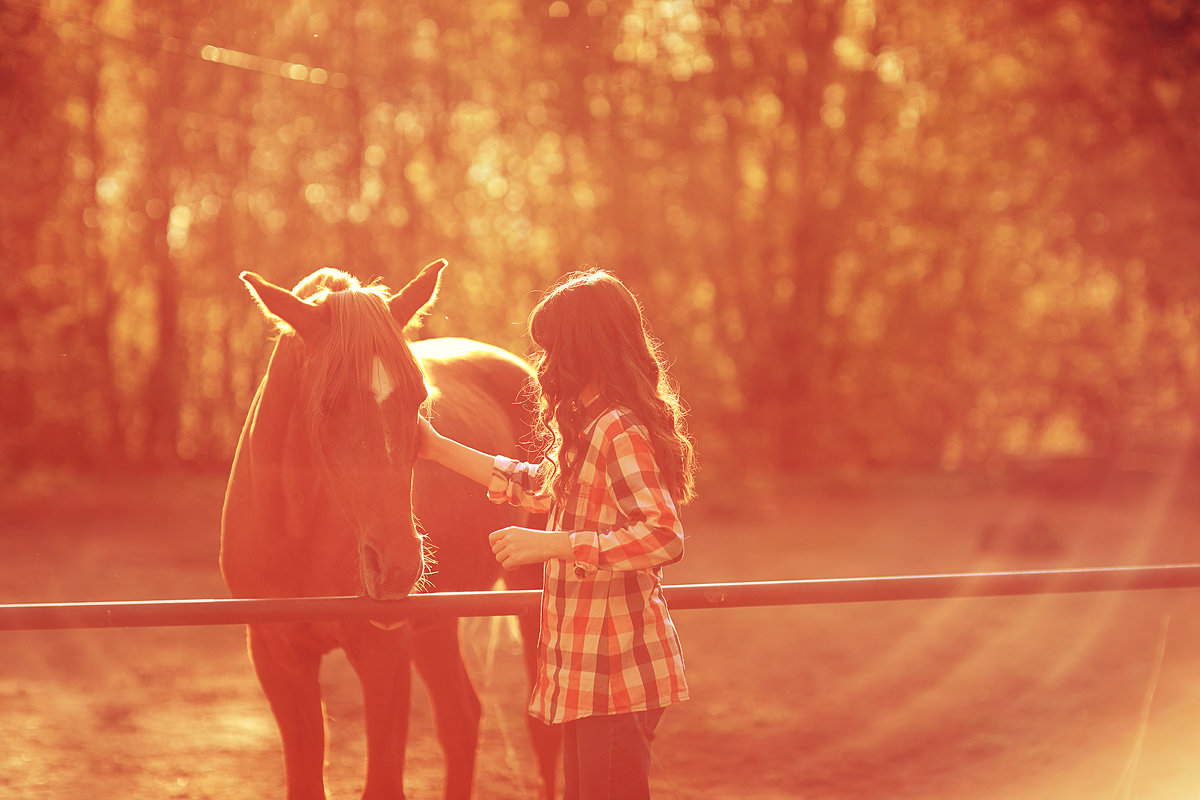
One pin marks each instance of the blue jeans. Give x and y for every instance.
(608, 757)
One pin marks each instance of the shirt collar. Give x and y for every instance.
(592, 407)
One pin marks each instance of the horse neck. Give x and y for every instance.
(269, 456)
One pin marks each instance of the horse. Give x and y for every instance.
(327, 496)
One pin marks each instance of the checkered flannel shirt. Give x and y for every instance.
(607, 643)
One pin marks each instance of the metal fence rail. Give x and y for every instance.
(161, 613)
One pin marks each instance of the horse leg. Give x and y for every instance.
(546, 739)
(382, 660)
(290, 681)
(437, 653)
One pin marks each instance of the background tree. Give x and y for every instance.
(872, 233)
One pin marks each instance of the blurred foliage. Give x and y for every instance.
(869, 232)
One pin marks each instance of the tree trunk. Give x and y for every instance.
(162, 392)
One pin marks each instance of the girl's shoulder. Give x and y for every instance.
(617, 420)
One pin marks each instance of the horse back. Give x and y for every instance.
(479, 393)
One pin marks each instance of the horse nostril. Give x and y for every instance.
(372, 565)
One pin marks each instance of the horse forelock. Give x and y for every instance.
(326, 279)
(362, 334)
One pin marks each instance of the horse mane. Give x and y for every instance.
(361, 330)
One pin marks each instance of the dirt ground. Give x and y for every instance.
(1053, 697)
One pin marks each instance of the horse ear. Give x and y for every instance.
(415, 299)
(282, 305)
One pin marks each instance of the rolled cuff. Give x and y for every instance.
(585, 548)
(499, 487)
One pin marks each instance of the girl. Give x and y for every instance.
(617, 460)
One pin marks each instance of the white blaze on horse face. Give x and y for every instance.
(382, 388)
(381, 382)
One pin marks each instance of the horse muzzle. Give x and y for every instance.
(389, 576)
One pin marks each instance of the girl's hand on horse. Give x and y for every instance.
(451, 454)
(516, 547)
(427, 438)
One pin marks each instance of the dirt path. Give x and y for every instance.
(1027, 698)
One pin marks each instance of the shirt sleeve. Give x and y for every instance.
(518, 483)
(650, 534)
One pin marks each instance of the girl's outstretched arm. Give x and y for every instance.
(466, 461)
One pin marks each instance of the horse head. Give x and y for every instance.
(350, 439)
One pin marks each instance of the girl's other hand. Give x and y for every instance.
(515, 547)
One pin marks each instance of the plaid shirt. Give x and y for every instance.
(607, 643)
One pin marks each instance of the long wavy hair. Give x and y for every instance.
(590, 331)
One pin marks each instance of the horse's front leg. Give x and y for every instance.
(383, 661)
(437, 653)
(289, 677)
